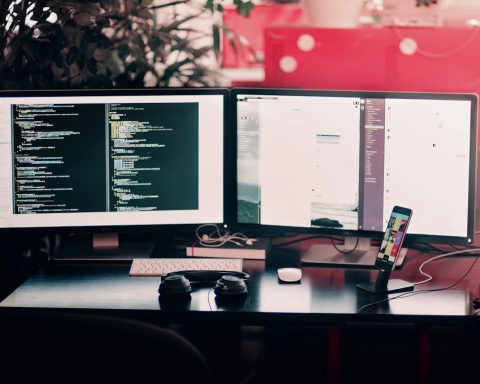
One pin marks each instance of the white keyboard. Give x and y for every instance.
(160, 267)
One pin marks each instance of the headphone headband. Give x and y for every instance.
(208, 276)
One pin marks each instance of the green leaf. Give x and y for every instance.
(92, 65)
(216, 38)
(89, 7)
(82, 18)
(72, 55)
(115, 64)
(209, 5)
(123, 50)
(170, 4)
(102, 22)
(110, 5)
(101, 54)
(244, 7)
(145, 13)
(230, 37)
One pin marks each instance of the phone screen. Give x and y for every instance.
(394, 236)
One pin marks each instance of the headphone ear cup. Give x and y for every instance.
(230, 286)
(175, 285)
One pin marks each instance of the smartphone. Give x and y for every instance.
(393, 238)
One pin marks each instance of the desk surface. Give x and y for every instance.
(324, 294)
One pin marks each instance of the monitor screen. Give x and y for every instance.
(116, 159)
(336, 162)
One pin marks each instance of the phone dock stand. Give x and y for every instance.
(383, 284)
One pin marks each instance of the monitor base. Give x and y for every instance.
(362, 257)
(101, 248)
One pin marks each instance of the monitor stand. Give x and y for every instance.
(363, 256)
(102, 247)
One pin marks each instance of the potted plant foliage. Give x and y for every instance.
(52, 44)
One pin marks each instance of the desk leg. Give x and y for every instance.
(334, 339)
(423, 355)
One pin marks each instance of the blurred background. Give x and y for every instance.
(276, 43)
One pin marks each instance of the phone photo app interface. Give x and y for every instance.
(344, 162)
(394, 234)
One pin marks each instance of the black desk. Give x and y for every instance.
(325, 297)
(324, 294)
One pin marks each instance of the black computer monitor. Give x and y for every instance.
(334, 163)
(109, 161)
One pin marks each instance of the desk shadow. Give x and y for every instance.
(230, 303)
(172, 303)
(183, 303)
(372, 303)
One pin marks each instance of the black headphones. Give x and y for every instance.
(227, 284)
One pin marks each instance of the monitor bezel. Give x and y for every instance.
(144, 228)
(332, 233)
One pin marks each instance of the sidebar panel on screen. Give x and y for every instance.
(372, 126)
(153, 156)
(58, 151)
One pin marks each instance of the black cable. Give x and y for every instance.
(408, 294)
(302, 239)
(272, 235)
(343, 251)
(208, 299)
(455, 247)
(430, 248)
(331, 238)
(422, 247)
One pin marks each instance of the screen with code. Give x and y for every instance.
(81, 160)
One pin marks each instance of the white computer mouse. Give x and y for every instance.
(289, 275)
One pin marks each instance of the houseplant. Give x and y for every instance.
(109, 43)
